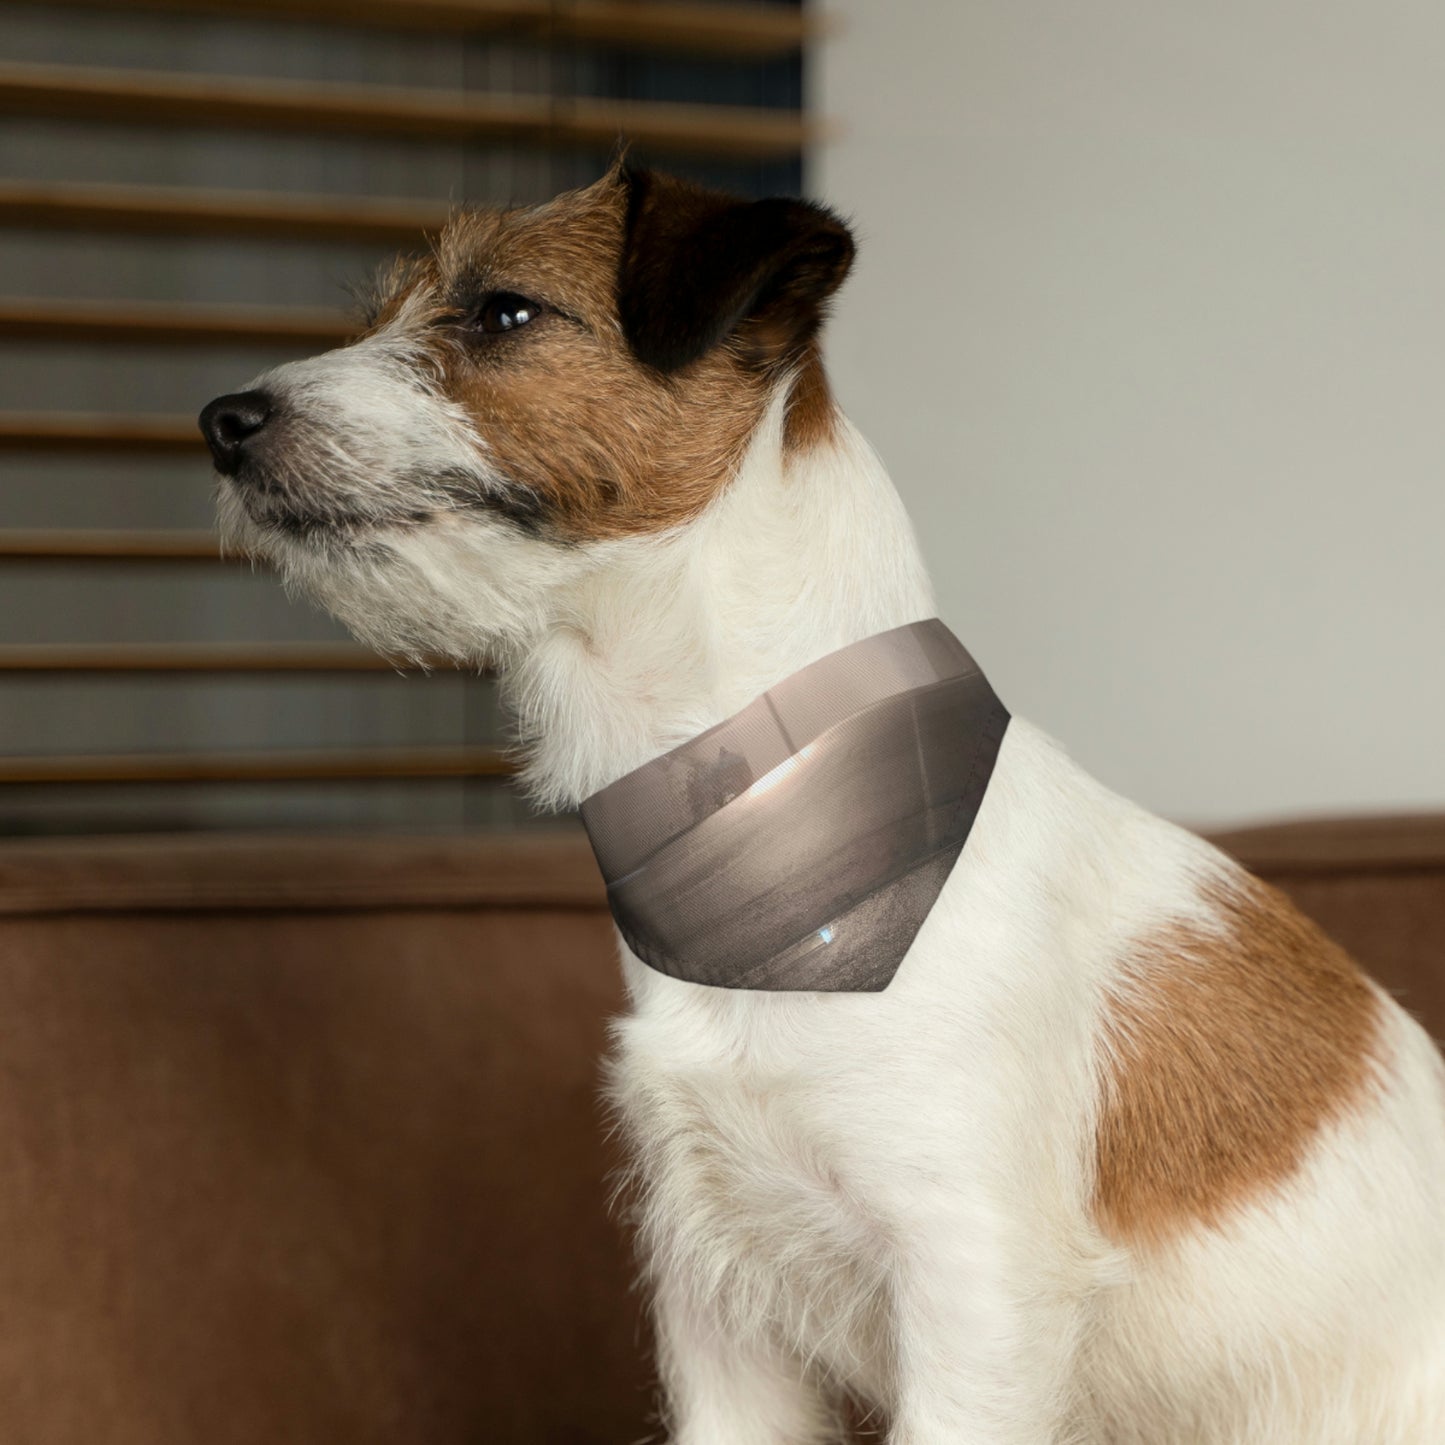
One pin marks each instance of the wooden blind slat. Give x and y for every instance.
(168, 323)
(711, 29)
(94, 431)
(109, 546)
(159, 98)
(176, 211)
(754, 31)
(358, 765)
(182, 657)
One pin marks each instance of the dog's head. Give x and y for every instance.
(547, 382)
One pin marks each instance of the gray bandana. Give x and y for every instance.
(800, 844)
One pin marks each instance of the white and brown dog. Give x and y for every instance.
(1127, 1152)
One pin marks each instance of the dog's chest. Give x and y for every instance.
(746, 1187)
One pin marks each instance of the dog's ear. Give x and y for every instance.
(699, 266)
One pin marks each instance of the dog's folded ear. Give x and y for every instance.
(699, 267)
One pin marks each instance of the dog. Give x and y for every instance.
(1127, 1153)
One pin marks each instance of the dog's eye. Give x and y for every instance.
(505, 311)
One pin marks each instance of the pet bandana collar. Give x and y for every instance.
(800, 844)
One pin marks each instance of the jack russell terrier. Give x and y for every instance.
(955, 1085)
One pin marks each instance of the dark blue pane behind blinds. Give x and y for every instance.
(769, 84)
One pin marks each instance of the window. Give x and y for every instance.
(188, 192)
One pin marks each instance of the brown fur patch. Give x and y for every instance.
(812, 413)
(596, 443)
(1228, 1051)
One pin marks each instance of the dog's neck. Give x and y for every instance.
(805, 553)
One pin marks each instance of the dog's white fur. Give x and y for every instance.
(891, 1193)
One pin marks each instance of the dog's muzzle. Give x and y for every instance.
(800, 844)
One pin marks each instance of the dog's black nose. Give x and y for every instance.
(229, 422)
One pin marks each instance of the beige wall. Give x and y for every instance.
(1149, 324)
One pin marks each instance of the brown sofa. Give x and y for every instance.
(299, 1140)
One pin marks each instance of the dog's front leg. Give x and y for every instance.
(721, 1389)
(985, 1350)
